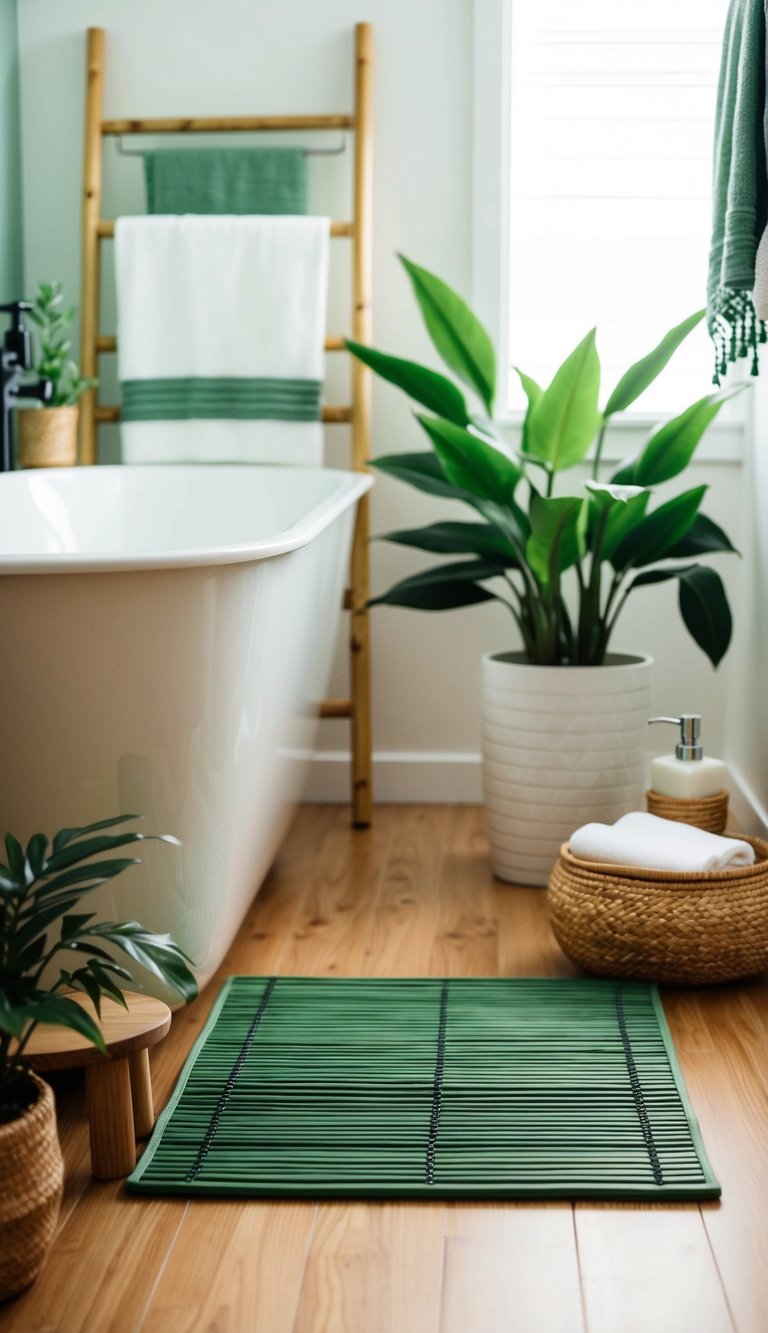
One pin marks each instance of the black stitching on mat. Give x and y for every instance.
(234, 1074)
(437, 1093)
(637, 1091)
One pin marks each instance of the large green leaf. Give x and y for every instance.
(456, 539)
(660, 532)
(562, 424)
(158, 953)
(36, 849)
(456, 332)
(471, 463)
(622, 520)
(554, 543)
(651, 576)
(703, 605)
(66, 835)
(8, 886)
(636, 380)
(705, 610)
(45, 1007)
(85, 877)
(672, 446)
(17, 863)
(533, 392)
(443, 587)
(72, 925)
(423, 471)
(429, 388)
(702, 539)
(38, 922)
(11, 1020)
(80, 851)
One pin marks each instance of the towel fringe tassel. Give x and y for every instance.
(735, 330)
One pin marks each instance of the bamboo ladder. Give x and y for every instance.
(358, 413)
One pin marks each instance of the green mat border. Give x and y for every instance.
(709, 1188)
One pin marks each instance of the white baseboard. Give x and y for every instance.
(451, 777)
(746, 806)
(400, 776)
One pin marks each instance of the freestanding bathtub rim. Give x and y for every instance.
(320, 514)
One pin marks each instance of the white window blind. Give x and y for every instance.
(611, 125)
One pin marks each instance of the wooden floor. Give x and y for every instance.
(414, 895)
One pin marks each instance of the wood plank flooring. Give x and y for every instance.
(414, 895)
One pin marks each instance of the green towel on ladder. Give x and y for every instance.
(739, 188)
(226, 180)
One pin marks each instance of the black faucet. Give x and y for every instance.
(16, 358)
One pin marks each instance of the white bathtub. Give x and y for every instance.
(166, 639)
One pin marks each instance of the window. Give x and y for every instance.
(610, 110)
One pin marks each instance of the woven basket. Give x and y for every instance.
(707, 812)
(48, 437)
(31, 1181)
(660, 925)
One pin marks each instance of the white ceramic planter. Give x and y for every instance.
(561, 746)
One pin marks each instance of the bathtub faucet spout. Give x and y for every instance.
(16, 357)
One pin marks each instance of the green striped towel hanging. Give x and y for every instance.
(226, 180)
(222, 398)
(739, 188)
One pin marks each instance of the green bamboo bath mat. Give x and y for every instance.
(422, 1088)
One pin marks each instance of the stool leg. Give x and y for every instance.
(110, 1113)
(141, 1094)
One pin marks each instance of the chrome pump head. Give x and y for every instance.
(689, 745)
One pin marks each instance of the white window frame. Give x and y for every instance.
(725, 440)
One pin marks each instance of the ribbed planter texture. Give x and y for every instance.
(562, 746)
(31, 1182)
(47, 436)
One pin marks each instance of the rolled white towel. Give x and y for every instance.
(651, 843)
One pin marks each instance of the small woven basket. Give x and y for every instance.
(660, 925)
(31, 1182)
(707, 812)
(48, 436)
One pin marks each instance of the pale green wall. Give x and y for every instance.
(10, 159)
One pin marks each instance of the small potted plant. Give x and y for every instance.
(48, 432)
(40, 927)
(564, 719)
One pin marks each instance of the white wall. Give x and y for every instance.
(746, 739)
(168, 57)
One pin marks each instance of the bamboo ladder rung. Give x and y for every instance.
(107, 342)
(225, 124)
(336, 708)
(105, 229)
(332, 415)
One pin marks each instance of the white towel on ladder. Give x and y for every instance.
(221, 325)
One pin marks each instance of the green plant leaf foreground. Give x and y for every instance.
(40, 889)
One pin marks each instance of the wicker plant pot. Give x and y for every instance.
(47, 436)
(707, 812)
(659, 925)
(31, 1180)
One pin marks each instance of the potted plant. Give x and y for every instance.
(40, 927)
(564, 719)
(48, 432)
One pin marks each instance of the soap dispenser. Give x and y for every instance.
(689, 785)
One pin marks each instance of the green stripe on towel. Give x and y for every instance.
(192, 398)
(226, 180)
(428, 1088)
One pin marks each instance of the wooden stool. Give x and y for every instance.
(118, 1086)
